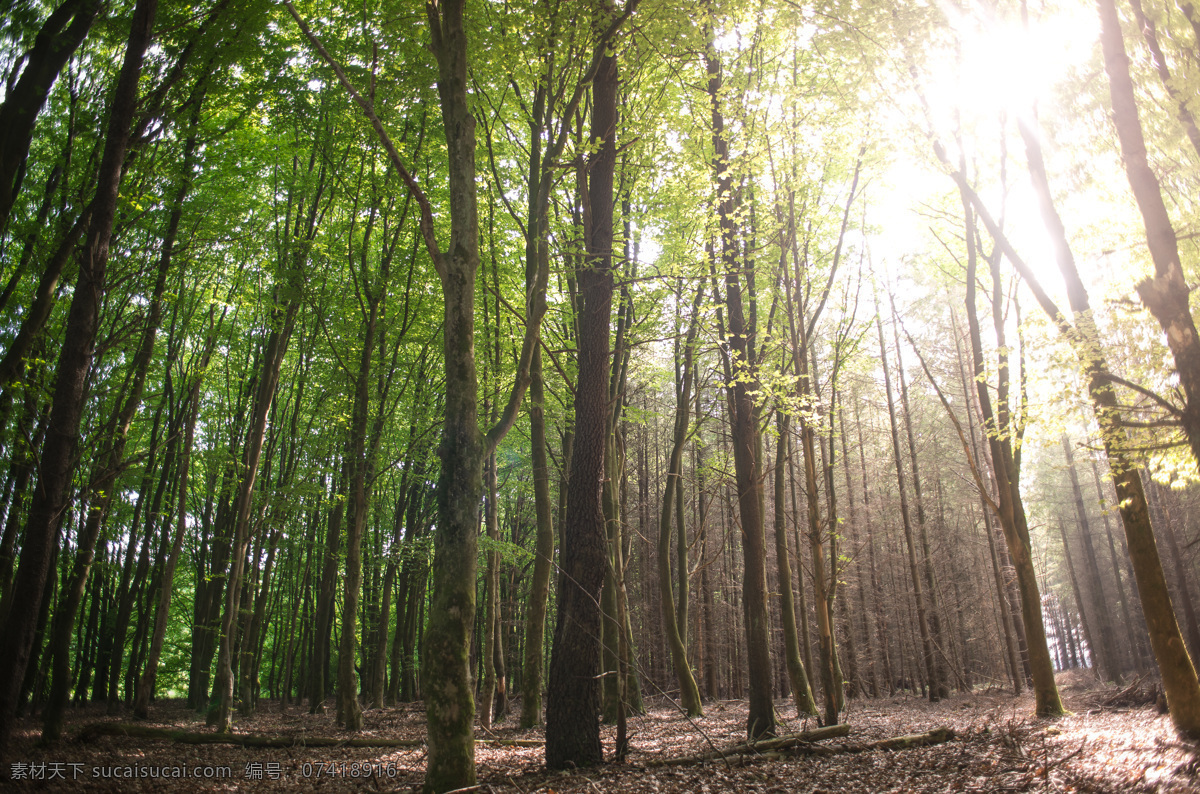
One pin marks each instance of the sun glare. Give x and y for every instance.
(1008, 65)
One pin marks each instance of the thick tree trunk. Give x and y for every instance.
(573, 698)
(1165, 293)
(449, 705)
(61, 34)
(58, 453)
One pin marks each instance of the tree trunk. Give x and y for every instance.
(1135, 632)
(141, 702)
(449, 705)
(743, 417)
(938, 687)
(1012, 510)
(539, 593)
(689, 693)
(573, 698)
(797, 676)
(268, 379)
(930, 664)
(58, 453)
(323, 628)
(1165, 293)
(61, 34)
(1106, 649)
(1084, 618)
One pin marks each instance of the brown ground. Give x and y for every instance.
(1106, 745)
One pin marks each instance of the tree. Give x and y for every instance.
(573, 696)
(741, 378)
(58, 452)
(1165, 293)
(684, 370)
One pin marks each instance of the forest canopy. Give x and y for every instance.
(558, 357)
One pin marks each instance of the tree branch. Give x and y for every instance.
(368, 108)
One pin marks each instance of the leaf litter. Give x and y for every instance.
(1113, 741)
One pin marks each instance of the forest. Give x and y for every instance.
(548, 395)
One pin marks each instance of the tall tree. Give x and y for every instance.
(573, 696)
(58, 452)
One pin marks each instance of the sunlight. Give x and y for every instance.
(1006, 65)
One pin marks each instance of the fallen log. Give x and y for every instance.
(97, 729)
(805, 744)
(908, 741)
(761, 746)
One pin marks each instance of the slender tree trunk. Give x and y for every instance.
(1106, 649)
(689, 693)
(487, 691)
(930, 665)
(1135, 632)
(797, 675)
(323, 629)
(268, 379)
(1084, 618)
(539, 595)
(938, 687)
(744, 416)
(1012, 509)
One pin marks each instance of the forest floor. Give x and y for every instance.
(1109, 743)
